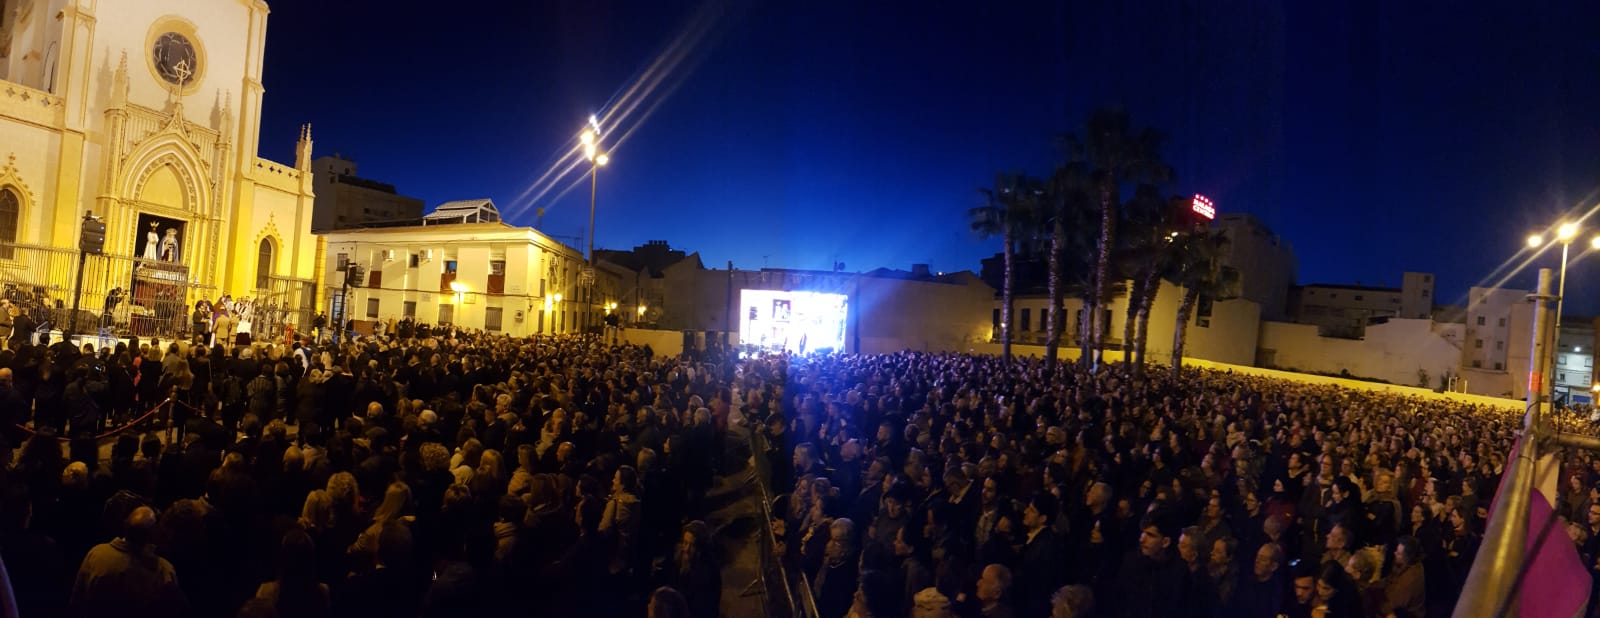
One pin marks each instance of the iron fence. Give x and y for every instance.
(121, 295)
(285, 303)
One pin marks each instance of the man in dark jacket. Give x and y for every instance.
(1042, 555)
(1152, 580)
(83, 414)
(1262, 593)
(126, 577)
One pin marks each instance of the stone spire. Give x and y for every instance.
(302, 150)
(119, 84)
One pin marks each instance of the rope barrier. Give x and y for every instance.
(126, 426)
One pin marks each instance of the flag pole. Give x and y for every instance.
(1492, 581)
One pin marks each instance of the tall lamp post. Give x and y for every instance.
(597, 160)
(1565, 234)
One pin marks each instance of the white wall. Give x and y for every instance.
(1393, 351)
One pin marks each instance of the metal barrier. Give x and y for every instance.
(123, 294)
(796, 603)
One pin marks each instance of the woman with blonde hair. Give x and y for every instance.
(396, 507)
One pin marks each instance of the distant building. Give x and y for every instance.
(1265, 262)
(1574, 373)
(345, 200)
(1346, 310)
(653, 257)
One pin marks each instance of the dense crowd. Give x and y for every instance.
(434, 472)
(954, 485)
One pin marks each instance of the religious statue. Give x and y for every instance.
(169, 246)
(152, 243)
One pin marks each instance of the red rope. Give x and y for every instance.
(127, 425)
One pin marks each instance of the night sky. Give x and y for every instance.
(1376, 137)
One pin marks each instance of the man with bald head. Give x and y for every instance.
(125, 577)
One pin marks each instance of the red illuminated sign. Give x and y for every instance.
(1202, 206)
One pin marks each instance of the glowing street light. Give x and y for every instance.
(1566, 232)
(597, 159)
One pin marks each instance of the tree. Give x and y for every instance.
(1068, 205)
(1197, 267)
(1005, 215)
(1148, 227)
(1115, 153)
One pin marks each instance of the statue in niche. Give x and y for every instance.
(169, 246)
(152, 243)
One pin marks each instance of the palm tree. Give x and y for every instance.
(1146, 222)
(1176, 209)
(1067, 203)
(1004, 215)
(1197, 266)
(1117, 153)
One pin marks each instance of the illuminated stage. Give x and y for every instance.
(799, 322)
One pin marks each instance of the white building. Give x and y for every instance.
(490, 276)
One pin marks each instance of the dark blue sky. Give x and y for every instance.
(1377, 137)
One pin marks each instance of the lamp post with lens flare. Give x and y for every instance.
(597, 159)
(1565, 234)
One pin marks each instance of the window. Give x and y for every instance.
(491, 318)
(1427, 278)
(1479, 344)
(447, 314)
(372, 307)
(1333, 296)
(1426, 292)
(1561, 377)
(994, 319)
(263, 263)
(409, 309)
(415, 259)
(1027, 320)
(1499, 345)
(1478, 364)
(1497, 366)
(1502, 322)
(1588, 361)
(1360, 297)
(1394, 301)
(344, 261)
(1480, 320)
(541, 321)
(10, 213)
(497, 277)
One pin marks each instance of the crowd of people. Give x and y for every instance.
(435, 473)
(955, 485)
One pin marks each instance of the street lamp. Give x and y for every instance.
(597, 159)
(557, 299)
(1565, 234)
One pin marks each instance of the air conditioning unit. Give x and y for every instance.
(427, 254)
(388, 255)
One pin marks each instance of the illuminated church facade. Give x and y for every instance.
(148, 114)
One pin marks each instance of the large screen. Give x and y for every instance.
(800, 322)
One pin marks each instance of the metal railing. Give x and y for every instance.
(121, 294)
(785, 585)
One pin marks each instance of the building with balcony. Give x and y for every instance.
(489, 275)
